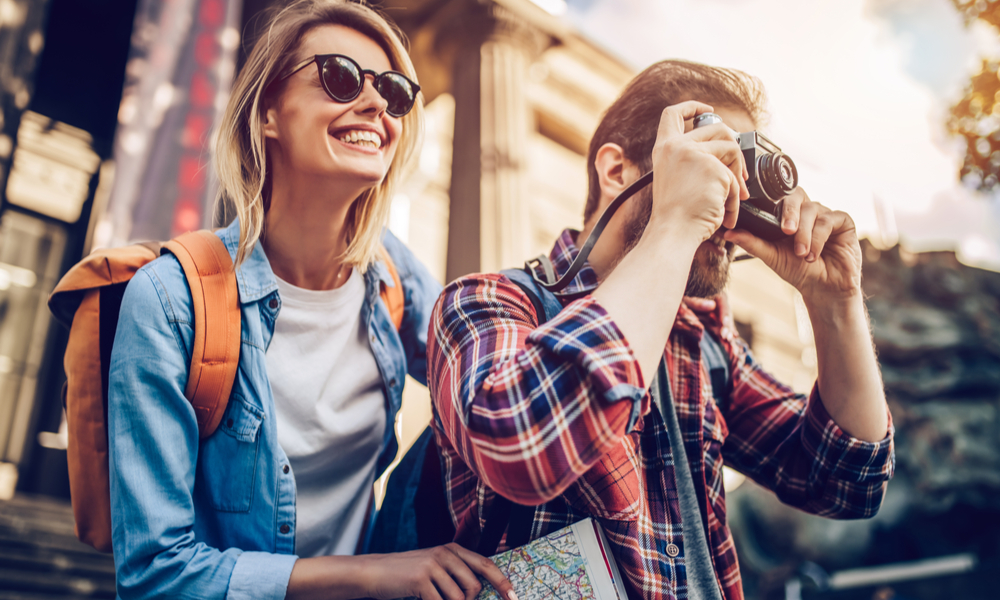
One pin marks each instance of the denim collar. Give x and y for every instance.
(255, 279)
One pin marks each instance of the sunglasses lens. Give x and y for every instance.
(398, 93)
(342, 78)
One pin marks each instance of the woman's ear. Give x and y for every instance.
(271, 123)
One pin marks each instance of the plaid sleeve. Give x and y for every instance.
(789, 444)
(529, 408)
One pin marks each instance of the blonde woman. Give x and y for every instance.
(277, 501)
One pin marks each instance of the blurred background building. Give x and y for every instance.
(107, 109)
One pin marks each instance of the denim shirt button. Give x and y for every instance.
(273, 303)
(229, 422)
(285, 469)
(285, 528)
(392, 382)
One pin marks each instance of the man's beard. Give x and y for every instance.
(709, 271)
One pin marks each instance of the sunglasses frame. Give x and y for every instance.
(320, 60)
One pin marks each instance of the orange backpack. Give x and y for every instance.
(87, 300)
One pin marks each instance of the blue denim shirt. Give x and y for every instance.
(215, 518)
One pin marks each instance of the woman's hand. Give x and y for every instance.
(447, 572)
(822, 259)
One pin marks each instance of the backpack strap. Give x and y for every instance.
(215, 299)
(718, 369)
(393, 297)
(546, 304)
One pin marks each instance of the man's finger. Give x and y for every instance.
(732, 214)
(718, 131)
(729, 154)
(755, 246)
(486, 569)
(827, 222)
(699, 304)
(790, 211)
(803, 235)
(672, 118)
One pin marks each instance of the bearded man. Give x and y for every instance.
(558, 414)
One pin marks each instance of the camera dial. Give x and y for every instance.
(705, 119)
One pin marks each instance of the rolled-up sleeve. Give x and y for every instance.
(260, 575)
(153, 447)
(788, 443)
(529, 408)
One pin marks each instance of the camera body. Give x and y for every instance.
(772, 177)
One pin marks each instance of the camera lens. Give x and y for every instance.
(778, 175)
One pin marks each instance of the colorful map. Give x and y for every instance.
(549, 567)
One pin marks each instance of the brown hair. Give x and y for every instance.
(632, 120)
(239, 148)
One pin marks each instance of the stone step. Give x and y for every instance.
(41, 558)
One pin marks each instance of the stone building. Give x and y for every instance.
(513, 94)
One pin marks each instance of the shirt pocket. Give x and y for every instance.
(613, 487)
(228, 459)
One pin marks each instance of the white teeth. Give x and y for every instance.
(361, 137)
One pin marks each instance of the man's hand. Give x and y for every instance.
(823, 261)
(699, 176)
(823, 258)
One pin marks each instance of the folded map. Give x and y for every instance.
(570, 564)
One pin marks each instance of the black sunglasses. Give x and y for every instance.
(343, 79)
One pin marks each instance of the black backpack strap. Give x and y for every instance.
(110, 298)
(717, 362)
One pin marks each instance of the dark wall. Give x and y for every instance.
(82, 67)
(79, 82)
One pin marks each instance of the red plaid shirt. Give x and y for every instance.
(557, 416)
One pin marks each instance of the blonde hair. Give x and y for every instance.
(238, 144)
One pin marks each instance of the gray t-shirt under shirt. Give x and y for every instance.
(701, 581)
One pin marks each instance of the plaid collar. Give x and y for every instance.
(562, 255)
(565, 251)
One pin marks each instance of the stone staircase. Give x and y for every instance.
(40, 557)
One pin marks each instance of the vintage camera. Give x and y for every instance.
(772, 177)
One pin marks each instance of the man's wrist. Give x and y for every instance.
(834, 313)
(669, 240)
(826, 302)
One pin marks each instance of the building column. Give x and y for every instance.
(488, 226)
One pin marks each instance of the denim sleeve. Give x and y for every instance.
(153, 447)
(421, 292)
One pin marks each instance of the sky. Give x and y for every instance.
(858, 94)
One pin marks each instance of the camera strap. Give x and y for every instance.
(543, 261)
(581, 258)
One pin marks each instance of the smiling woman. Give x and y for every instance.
(278, 501)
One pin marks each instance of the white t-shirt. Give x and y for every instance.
(330, 411)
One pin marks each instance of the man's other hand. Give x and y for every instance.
(822, 259)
